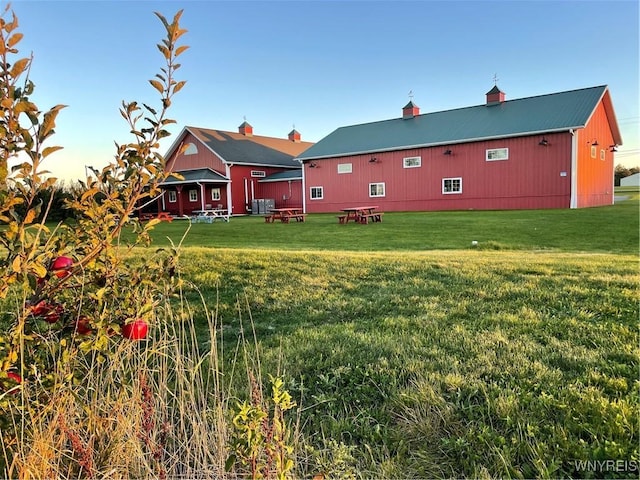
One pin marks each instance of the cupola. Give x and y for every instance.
(495, 96)
(295, 136)
(410, 110)
(245, 129)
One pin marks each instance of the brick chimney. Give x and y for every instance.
(294, 136)
(245, 129)
(495, 96)
(410, 110)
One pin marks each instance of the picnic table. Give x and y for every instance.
(160, 216)
(285, 214)
(210, 215)
(363, 214)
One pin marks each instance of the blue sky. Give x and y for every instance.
(318, 65)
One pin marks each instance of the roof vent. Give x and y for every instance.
(245, 129)
(495, 96)
(410, 110)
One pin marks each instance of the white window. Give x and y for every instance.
(190, 149)
(258, 173)
(173, 198)
(412, 162)
(494, 154)
(316, 193)
(451, 185)
(376, 189)
(193, 195)
(593, 151)
(215, 194)
(345, 168)
(602, 154)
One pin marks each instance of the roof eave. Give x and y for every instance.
(253, 164)
(279, 180)
(611, 116)
(206, 145)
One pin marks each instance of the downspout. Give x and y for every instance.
(573, 203)
(304, 189)
(227, 168)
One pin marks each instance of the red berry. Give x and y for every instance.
(41, 308)
(136, 330)
(49, 312)
(83, 325)
(61, 266)
(16, 378)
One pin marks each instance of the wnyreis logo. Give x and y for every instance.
(618, 466)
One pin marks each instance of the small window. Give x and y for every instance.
(345, 168)
(191, 149)
(215, 194)
(316, 193)
(594, 150)
(258, 173)
(193, 195)
(602, 154)
(494, 154)
(451, 185)
(376, 189)
(412, 162)
(173, 198)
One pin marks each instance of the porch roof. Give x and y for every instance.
(283, 176)
(198, 175)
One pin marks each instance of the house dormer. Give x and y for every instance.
(245, 129)
(410, 110)
(495, 96)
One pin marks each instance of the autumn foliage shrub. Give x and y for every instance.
(101, 372)
(74, 312)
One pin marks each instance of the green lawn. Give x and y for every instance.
(414, 355)
(611, 229)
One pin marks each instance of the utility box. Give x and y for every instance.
(261, 206)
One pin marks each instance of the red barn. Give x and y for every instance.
(230, 170)
(548, 151)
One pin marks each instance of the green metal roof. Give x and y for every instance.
(202, 175)
(283, 176)
(526, 116)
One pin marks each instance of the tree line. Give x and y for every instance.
(621, 172)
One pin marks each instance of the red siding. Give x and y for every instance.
(533, 177)
(595, 176)
(243, 193)
(285, 193)
(204, 158)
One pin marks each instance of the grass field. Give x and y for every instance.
(414, 355)
(605, 229)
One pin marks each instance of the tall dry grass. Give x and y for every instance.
(155, 408)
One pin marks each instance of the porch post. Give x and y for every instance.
(180, 207)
